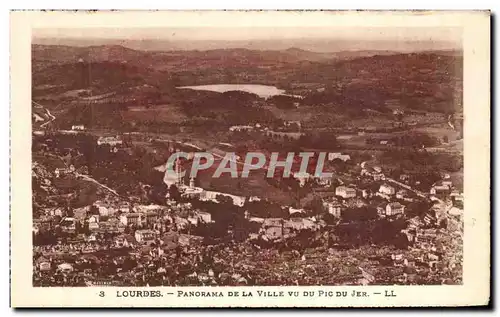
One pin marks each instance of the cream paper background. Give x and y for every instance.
(476, 43)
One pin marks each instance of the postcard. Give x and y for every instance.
(250, 158)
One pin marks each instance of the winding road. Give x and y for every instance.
(52, 117)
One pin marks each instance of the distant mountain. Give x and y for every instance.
(328, 45)
(48, 55)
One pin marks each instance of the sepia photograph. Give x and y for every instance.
(198, 157)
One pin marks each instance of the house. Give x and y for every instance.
(415, 222)
(256, 220)
(254, 198)
(150, 217)
(386, 189)
(55, 212)
(401, 194)
(68, 224)
(302, 178)
(94, 218)
(324, 180)
(188, 239)
(180, 223)
(241, 128)
(170, 240)
(78, 127)
(429, 219)
(212, 196)
(338, 156)
(81, 213)
(104, 208)
(365, 193)
(112, 225)
(110, 140)
(397, 257)
(447, 183)
(44, 266)
(58, 172)
(456, 196)
(123, 207)
(193, 220)
(439, 190)
(292, 123)
(145, 236)
(345, 192)
(404, 177)
(377, 169)
(355, 202)
(298, 224)
(272, 228)
(425, 238)
(204, 216)
(94, 226)
(65, 267)
(293, 211)
(378, 176)
(132, 218)
(394, 208)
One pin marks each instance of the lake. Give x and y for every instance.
(262, 91)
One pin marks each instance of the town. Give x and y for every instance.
(345, 168)
(195, 236)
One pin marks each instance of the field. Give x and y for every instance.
(254, 185)
(159, 113)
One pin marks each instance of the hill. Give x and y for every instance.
(128, 83)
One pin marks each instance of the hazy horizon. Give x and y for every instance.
(261, 38)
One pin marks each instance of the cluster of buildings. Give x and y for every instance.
(113, 223)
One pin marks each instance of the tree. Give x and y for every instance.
(316, 206)
(93, 210)
(173, 192)
(418, 208)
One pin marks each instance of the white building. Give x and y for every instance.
(324, 180)
(68, 223)
(145, 236)
(212, 196)
(333, 208)
(345, 192)
(204, 216)
(455, 211)
(394, 208)
(131, 218)
(339, 156)
(295, 211)
(109, 140)
(401, 194)
(439, 189)
(94, 218)
(302, 178)
(447, 183)
(386, 189)
(457, 196)
(79, 127)
(104, 208)
(241, 128)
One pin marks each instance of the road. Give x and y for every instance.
(408, 187)
(52, 117)
(449, 122)
(417, 192)
(90, 179)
